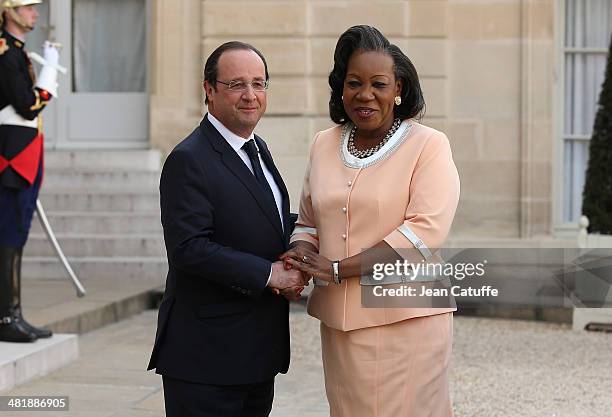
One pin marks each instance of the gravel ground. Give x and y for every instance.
(520, 368)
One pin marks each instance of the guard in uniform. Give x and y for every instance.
(22, 98)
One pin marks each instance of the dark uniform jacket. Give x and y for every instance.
(20, 147)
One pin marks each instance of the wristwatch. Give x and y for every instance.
(336, 272)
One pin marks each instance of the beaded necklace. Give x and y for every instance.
(364, 153)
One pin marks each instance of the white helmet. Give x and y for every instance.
(9, 6)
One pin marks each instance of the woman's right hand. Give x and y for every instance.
(297, 250)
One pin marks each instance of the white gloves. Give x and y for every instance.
(47, 79)
(51, 53)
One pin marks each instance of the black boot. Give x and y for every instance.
(12, 328)
(40, 333)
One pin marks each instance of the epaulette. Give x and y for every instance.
(3, 46)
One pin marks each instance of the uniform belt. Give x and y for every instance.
(8, 116)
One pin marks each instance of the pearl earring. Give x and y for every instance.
(398, 100)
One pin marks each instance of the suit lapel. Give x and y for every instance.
(237, 167)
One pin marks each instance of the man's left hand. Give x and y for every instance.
(292, 294)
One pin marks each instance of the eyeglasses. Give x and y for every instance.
(237, 85)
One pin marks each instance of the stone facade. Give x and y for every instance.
(486, 67)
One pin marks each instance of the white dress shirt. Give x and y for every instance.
(237, 142)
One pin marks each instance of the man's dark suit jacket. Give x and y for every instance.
(218, 323)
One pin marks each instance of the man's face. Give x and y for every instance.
(28, 14)
(239, 111)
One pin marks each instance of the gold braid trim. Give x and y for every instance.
(39, 103)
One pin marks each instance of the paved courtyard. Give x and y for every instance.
(500, 368)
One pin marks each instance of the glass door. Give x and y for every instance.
(103, 100)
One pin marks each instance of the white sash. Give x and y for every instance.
(8, 116)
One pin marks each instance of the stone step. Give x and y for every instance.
(101, 180)
(53, 303)
(22, 362)
(146, 160)
(76, 222)
(153, 269)
(592, 318)
(104, 200)
(98, 245)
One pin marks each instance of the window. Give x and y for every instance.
(109, 45)
(588, 25)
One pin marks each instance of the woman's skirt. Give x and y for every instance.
(396, 370)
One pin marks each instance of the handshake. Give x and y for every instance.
(296, 268)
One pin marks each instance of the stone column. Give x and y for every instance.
(176, 71)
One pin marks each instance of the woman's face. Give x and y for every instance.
(369, 91)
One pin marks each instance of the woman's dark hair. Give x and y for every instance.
(211, 68)
(367, 38)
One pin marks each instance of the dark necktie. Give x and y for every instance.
(253, 154)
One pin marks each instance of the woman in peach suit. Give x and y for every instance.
(377, 182)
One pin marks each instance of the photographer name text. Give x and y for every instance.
(456, 291)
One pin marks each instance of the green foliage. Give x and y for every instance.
(597, 194)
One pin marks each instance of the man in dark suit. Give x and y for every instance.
(223, 332)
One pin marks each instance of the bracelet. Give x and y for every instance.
(336, 271)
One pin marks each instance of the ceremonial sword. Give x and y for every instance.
(58, 250)
(39, 208)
